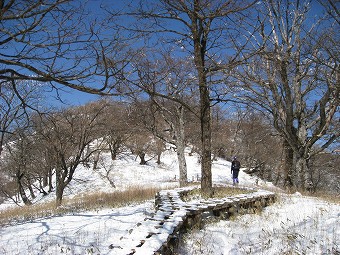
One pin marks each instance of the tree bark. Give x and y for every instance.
(206, 180)
(180, 144)
(22, 190)
(59, 187)
(200, 42)
(30, 188)
(50, 183)
(142, 158)
(303, 179)
(288, 165)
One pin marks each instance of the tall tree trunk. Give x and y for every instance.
(50, 182)
(59, 187)
(206, 181)
(303, 174)
(45, 179)
(200, 46)
(182, 164)
(96, 157)
(288, 165)
(180, 144)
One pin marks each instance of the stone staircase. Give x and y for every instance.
(159, 232)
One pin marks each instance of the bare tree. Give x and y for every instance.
(56, 42)
(166, 115)
(325, 172)
(223, 132)
(199, 30)
(117, 130)
(68, 133)
(296, 81)
(14, 110)
(44, 165)
(141, 141)
(260, 146)
(168, 124)
(332, 9)
(22, 163)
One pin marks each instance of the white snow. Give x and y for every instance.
(295, 224)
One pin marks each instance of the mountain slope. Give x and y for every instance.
(296, 224)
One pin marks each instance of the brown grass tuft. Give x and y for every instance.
(82, 202)
(331, 198)
(219, 192)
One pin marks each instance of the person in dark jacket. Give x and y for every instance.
(235, 168)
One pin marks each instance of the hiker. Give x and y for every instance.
(235, 168)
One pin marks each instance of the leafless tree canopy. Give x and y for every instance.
(295, 79)
(201, 32)
(273, 64)
(58, 43)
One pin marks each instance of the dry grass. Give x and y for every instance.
(83, 202)
(219, 192)
(327, 197)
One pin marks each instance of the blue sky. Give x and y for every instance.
(73, 97)
(69, 97)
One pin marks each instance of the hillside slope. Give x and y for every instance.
(296, 224)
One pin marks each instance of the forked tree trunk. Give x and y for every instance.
(22, 190)
(114, 149)
(30, 188)
(142, 158)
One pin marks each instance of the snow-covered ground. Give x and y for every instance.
(295, 224)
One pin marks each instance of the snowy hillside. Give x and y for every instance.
(293, 225)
